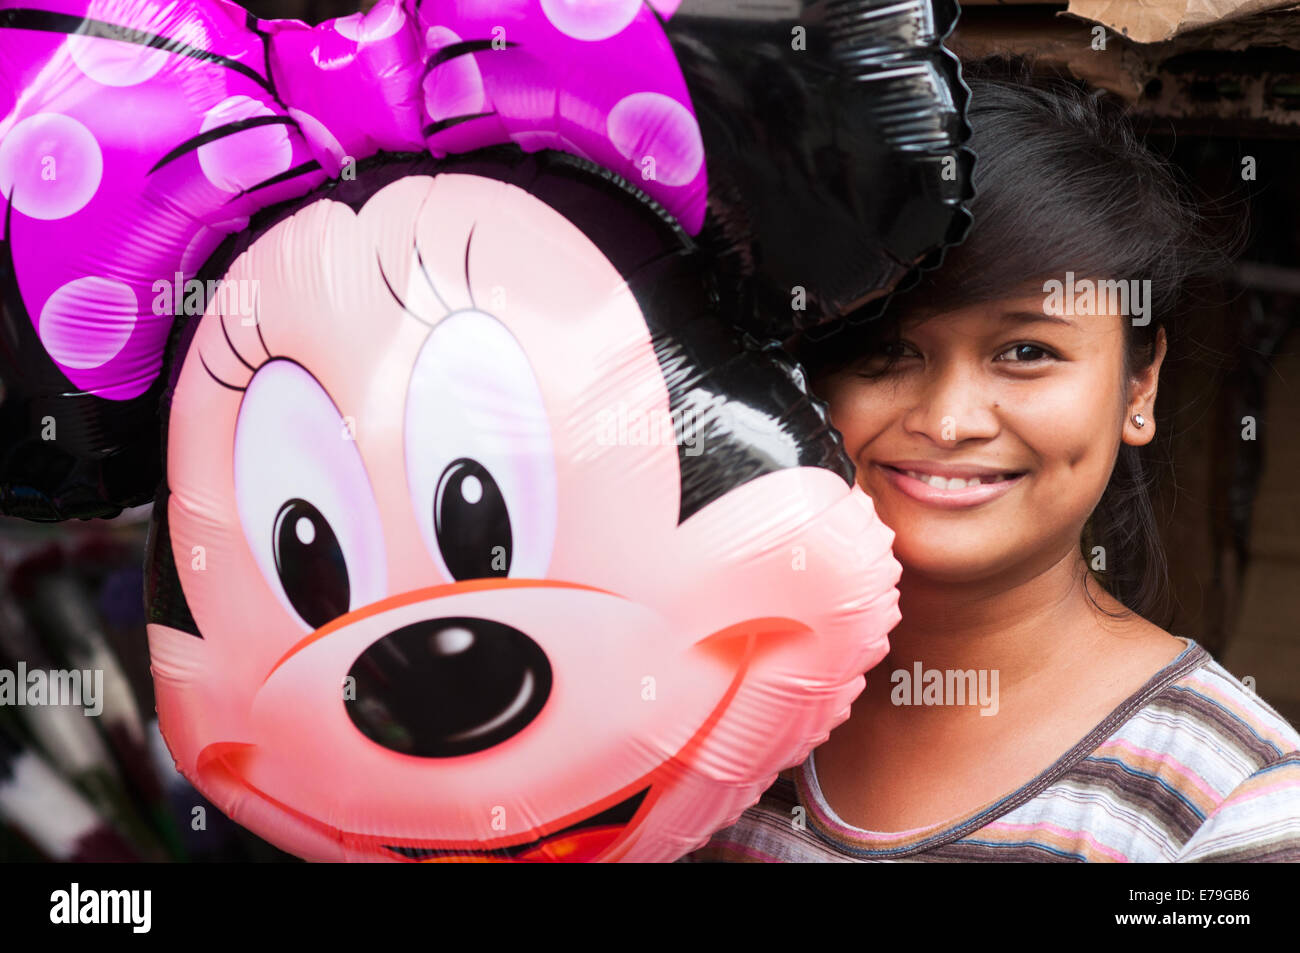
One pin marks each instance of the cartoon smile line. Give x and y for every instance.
(619, 815)
(737, 641)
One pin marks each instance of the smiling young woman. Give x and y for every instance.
(1003, 438)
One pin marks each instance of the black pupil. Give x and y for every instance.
(471, 522)
(310, 563)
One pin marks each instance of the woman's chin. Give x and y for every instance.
(951, 564)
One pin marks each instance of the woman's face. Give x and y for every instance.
(1033, 405)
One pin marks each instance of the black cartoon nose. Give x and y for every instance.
(447, 687)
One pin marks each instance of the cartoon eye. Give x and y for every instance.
(305, 502)
(479, 459)
(310, 563)
(470, 519)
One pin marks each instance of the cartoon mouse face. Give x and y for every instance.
(441, 607)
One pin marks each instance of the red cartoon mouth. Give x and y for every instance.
(222, 769)
(582, 841)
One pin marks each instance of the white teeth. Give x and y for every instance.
(956, 483)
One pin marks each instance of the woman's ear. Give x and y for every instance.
(1142, 397)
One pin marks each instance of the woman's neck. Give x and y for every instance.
(1045, 661)
(1022, 624)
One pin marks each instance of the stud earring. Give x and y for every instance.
(1139, 420)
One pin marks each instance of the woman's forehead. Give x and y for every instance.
(1041, 306)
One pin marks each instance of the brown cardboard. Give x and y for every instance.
(1152, 21)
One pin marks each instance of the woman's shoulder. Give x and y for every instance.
(1208, 760)
(1193, 766)
(1209, 713)
(774, 830)
(1197, 715)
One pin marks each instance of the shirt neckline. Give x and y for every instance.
(830, 827)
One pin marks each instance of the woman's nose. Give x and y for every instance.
(953, 402)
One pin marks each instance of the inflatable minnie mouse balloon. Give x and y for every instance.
(489, 527)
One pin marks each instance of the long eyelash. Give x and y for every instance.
(224, 384)
(231, 344)
(468, 287)
(379, 262)
(419, 257)
(257, 326)
(402, 304)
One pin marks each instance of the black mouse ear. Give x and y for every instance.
(834, 136)
(65, 453)
(130, 147)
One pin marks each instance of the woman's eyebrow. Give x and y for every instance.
(1031, 317)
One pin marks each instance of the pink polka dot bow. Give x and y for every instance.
(137, 134)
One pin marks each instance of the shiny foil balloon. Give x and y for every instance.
(492, 525)
(813, 149)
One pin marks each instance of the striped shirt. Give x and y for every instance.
(1191, 767)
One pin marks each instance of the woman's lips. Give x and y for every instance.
(923, 492)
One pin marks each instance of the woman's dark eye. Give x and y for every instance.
(881, 359)
(891, 350)
(1035, 352)
(310, 563)
(471, 522)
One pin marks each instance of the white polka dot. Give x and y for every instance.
(113, 62)
(243, 159)
(591, 19)
(87, 321)
(572, 148)
(436, 37)
(305, 530)
(453, 88)
(51, 165)
(237, 224)
(658, 128)
(200, 249)
(471, 489)
(379, 24)
(350, 26)
(320, 136)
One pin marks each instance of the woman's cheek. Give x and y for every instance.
(857, 411)
(1072, 442)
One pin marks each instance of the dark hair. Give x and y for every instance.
(1062, 182)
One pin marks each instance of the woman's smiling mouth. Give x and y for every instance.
(949, 487)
